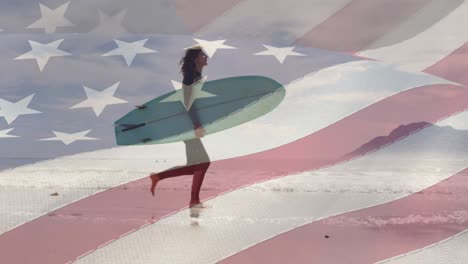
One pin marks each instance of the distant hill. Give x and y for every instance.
(435, 138)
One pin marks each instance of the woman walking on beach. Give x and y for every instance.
(197, 158)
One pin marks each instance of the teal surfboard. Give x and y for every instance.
(219, 104)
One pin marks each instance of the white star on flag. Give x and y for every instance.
(178, 85)
(210, 47)
(51, 19)
(197, 93)
(129, 49)
(279, 53)
(99, 100)
(4, 133)
(68, 138)
(111, 24)
(43, 52)
(10, 111)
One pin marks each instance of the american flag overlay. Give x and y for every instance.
(364, 160)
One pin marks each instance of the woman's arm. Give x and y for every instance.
(188, 102)
(188, 84)
(188, 95)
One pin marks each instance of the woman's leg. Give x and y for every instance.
(156, 177)
(197, 181)
(196, 154)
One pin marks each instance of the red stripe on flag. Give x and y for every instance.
(70, 231)
(197, 14)
(359, 24)
(453, 67)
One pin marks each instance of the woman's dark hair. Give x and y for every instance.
(188, 61)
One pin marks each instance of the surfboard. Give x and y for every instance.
(220, 104)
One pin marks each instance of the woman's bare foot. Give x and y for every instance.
(193, 203)
(198, 204)
(154, 180)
